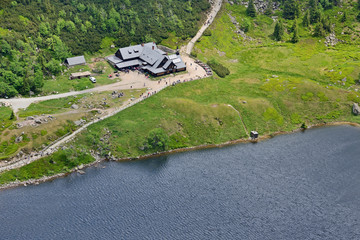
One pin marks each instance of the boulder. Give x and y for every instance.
(19, 139)
(74, 106)
(356, 109)
(30, 118)
(77, 123)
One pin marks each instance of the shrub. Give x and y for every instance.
(193, 54)
(207, 32)
(157, 140)
(220, 70)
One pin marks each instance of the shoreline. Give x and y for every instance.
(179, 150)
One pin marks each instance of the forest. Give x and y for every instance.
(37, 35)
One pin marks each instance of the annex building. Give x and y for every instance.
(147, 57)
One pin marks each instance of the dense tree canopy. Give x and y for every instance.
(37, 35)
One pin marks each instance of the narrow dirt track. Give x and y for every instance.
(211, 16)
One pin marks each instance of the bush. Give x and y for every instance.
(245, 25)
(157, 140)
(193, 54)
(220, 70)
(207, 32)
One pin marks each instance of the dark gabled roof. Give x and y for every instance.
(131, 52)
(114, 60)
(155, 70)
(167, 64)
(150, 56)
(75, 60)
(176, 59)
(180, 65)
(130, 63)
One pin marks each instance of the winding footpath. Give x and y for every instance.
(130, 80)
(211, 16)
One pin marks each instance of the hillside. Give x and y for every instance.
(36, 36)
(265, 82)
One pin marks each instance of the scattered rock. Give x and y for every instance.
(74, 106)
(19, 139)
(356, 109)
(38, 121)
(30, 118)
(77, 123)
(238, 31)
(262, 5)
(331, 40)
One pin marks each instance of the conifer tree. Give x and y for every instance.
(306, 19)
(344, 17)
(358, 4)
(291, 9)
(268, 10)
(315, 13)
(319, 30)
(326, 24)
(251, 11)
(12, 116)
(295, 36)
(358, 17)
(279, 31)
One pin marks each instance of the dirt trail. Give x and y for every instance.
(241, 119)
(211, 16)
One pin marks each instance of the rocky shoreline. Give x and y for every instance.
(99, 159)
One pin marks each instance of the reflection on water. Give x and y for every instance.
(298, 186)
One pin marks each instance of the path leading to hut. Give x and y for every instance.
(241, 119)
(211, 16)
(131, 80)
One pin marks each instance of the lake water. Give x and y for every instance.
(298, 186)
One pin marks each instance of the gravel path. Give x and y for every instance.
(209, 20)
(128, 81)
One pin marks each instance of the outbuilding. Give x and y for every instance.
(254, 134)
(79, 75)
(73, 61)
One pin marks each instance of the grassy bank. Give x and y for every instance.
(60, 162)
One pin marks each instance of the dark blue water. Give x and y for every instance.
(298, 186)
